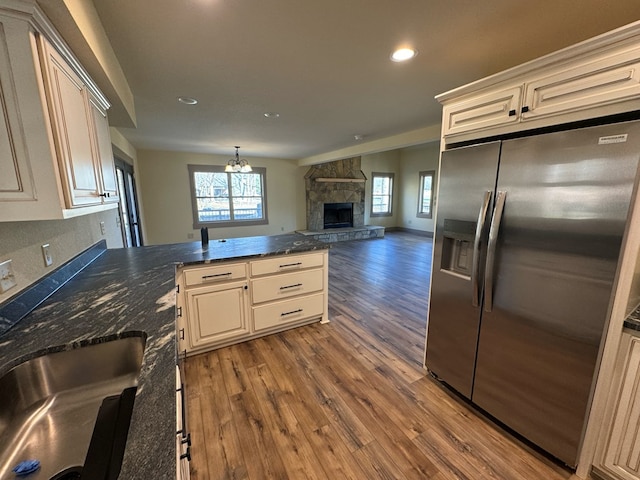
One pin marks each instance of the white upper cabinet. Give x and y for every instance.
(104, 152)
(606, 79)
(596, 78)
(55, 151)
(498, 107)
(16, 181)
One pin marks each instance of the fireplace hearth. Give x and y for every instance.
(338, 215)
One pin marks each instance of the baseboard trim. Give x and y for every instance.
(422, 233)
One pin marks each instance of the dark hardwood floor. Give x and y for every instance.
(349, 399)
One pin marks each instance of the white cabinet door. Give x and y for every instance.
(603, 81)
(216, 313)
(104, 153)
(487, 110)
(622, 451)
(16, 181)
(72, 128)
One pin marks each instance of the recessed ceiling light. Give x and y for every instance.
(271, 114)
(187, 100)
(403, 54)
(358, 137)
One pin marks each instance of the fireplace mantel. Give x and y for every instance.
(340, 180)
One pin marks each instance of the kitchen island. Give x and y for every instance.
(134, 290)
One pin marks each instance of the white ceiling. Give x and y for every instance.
(323, 65)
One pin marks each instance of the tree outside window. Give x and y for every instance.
(425, 200)
(381, 194)
(219, 198)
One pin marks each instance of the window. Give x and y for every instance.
(221, 199)
(425, 200)
(381, 194)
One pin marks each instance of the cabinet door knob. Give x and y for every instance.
(512, 113)
(524, 109)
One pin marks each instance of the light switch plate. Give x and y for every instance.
(46, 254)
(7, 279)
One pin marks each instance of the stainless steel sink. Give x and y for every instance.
(51, 405)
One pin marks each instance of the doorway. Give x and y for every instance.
(129, 212)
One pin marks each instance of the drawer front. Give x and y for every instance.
(286, 285)
(286, 263)
(213, 274)
(288, 311)
(179, 424)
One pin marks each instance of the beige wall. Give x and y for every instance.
(163, 182)
(21, 242)
(166, 199)
(414, 160)
(383, 162)
(405, 163)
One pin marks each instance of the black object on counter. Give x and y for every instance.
(204, 236)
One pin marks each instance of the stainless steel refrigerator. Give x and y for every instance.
(527, 241)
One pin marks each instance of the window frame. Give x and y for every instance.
(226, 223)
(421, 176)
(391, 176)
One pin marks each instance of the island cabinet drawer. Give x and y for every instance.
(287, 311)
(213, 274)
(286, 263)
(286, 285)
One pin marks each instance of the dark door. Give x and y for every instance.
(129, 217)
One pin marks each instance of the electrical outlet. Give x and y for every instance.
(189, 236)
(7, 279)
(102, 229)
(46, 254)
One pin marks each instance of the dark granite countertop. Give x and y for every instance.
(246, 248)
(134, 290)
(633, 320)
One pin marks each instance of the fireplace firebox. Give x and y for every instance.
(338, 215)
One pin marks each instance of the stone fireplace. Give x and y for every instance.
(340, 182)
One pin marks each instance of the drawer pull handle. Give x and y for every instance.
(206, 277)
(290, 313)
(291, 286)
(291, 265)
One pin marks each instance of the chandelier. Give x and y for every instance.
(237, 165)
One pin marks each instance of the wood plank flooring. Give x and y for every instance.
(349, 399)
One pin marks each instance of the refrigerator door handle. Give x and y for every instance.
(491, 250)
(475, 268)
